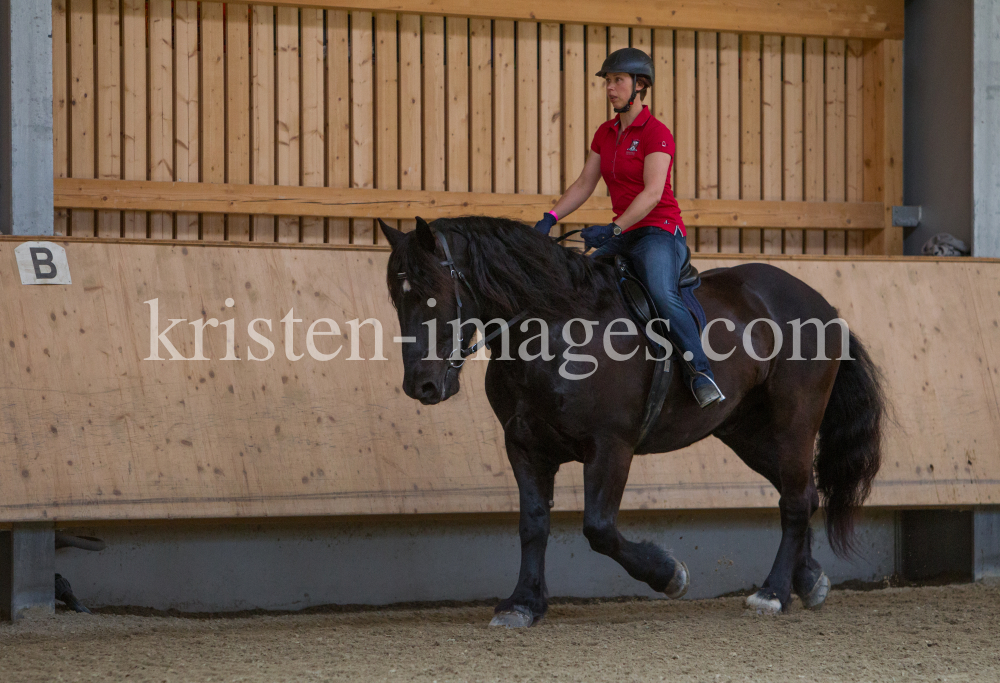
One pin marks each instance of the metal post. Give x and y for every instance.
(986, 543)
(986, 122)
(26, 170)
(27, 569)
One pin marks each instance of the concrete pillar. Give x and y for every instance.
(986, 543)
(27, 569)
(986, 123)
(26, 171)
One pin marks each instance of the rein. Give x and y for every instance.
(458, 277)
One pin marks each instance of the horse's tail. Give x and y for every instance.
(849, 451)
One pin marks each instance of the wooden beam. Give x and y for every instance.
(845, 18)
(277, 200)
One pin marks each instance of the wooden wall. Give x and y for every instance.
(91, 431)
(800, 106)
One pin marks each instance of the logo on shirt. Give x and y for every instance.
(634, 147)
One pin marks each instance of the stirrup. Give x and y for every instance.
(721, 397)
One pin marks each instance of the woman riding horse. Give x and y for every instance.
(634, 154)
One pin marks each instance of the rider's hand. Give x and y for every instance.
(543, 226)
(595, 236)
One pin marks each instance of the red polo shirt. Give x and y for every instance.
(622, 159)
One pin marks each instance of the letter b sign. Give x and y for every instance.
(42, 263)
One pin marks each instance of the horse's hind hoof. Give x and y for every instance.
(680, 582)
(815, 598)
(762, 604)
(515, 617)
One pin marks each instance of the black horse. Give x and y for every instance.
(809, 426)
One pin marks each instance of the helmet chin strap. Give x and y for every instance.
(630, 99)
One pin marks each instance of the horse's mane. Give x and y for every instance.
(511, 266)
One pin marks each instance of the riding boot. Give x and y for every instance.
(705, 390)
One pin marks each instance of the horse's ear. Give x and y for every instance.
(391, 234)
(425, 236)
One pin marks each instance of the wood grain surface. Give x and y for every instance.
(92, 431)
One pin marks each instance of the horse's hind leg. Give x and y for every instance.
(604, 476)
(787, 463)
(809, 581)
(797, 504)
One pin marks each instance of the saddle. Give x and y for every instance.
(642, 309)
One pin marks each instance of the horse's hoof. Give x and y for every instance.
(680, 582)
(515, 617)
(815, 598)
(763, 604)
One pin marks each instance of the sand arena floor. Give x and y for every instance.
(945, 633)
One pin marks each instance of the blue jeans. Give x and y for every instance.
(657, 256)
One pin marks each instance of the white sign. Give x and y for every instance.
(42, 263)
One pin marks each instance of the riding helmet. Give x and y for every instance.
(628, 60)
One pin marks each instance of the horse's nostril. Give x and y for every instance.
(428, 390)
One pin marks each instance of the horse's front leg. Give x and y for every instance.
(604, 478)
(535, 477)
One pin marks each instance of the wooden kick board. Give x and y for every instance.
(91, 431)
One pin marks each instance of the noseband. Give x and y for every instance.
(456, 359)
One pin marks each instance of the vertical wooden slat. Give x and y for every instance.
(853, 101)
(663, 70)
(504, 108)
(883, 140)
(109, 114)
(892, 162)
(708, 131)
(262, 110)
(362, 120)
(873, 132)
(60, 101)
(213, 110)
(814, 170)
(410, 132)
(793, 134)
(618, 38)
(576, 141)
(550, 110)
(527, 107)
(134, 67)
(338, 90)
(386, 107)
(771, 143)
(186, 107)
(597, 96)
(750, 130)
(161, 108)
(434, 157)
(642, 39)
(82, 105)
(238, 111)
(458, 103)
(574, 104)
(729, 132)
(481, 104)
(312, 138)
(684, 121)
(836, 145)
(287, 112)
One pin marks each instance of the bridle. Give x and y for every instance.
(456, 359)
